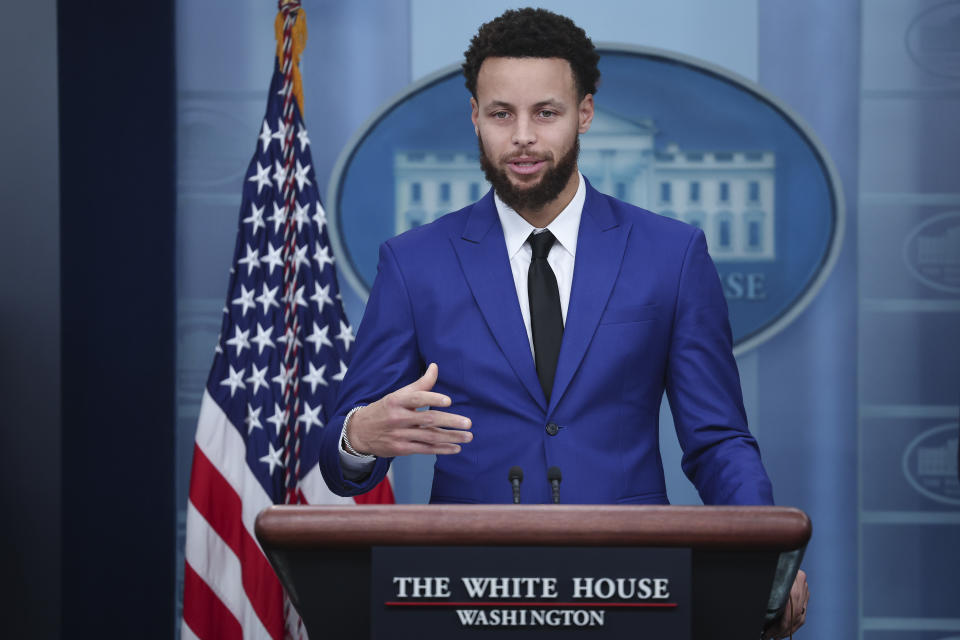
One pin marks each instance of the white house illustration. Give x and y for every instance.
(943, 249)
(728, 194)
(938, 461)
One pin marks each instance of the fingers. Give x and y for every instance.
(804, 600)
(795, 611)
(432, 440)
(799, 597)
(427, 380)
(418, 393)
(416, 399)
(434, 418)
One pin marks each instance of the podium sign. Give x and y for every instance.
(524, 592)
(338, 565)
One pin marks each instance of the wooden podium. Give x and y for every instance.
(743, 559)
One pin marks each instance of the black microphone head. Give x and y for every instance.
(553, 473)
(516, 473)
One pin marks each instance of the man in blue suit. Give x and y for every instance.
(548, 317)
(634, 309)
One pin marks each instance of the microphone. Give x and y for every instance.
(554, 476)
(515, 477)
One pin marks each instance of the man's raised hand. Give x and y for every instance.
(392, 426)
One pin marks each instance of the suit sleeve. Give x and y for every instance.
(720, 456)
(386, 357)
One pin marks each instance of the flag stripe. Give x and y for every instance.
(221, 507)
(380, 494)
(315, 490)
(204, 614)
(224, 447)
(220, 569)
(217, 502)
(186, 633)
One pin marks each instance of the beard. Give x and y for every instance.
(536, 196)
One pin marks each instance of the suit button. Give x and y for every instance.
(552, 429)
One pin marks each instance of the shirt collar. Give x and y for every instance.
(564, 227)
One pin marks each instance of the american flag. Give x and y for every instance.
(283, 350)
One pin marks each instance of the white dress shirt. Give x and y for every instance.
(562, 254)
(561, 258)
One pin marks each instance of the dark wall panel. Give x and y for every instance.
(117, 158)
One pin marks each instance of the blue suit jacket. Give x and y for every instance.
(646, 315)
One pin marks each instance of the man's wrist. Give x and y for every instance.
(345, 441)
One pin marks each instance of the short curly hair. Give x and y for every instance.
(534, 33)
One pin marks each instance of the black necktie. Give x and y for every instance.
(546, 319)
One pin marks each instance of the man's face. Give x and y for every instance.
(528, 117)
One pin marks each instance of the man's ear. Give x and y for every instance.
(475, 115)
(585, 113)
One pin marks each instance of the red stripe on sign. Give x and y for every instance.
(538, 605)
(380, 494)
(203, 611)
(220, 505)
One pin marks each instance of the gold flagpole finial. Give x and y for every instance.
(298, 41)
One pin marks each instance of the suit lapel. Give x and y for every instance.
(483, 256)
(600, 246)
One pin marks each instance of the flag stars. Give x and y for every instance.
(315, 377)
(255, 217)
(345, 335)
(239, 340)
(234, 380)
(273, 458)
(322, 256)
(262, 339)
(245, 300)
(295, 297)
(300, 257)
(266, 135)
(338, 377)
(320, 217)
(279, 418)
(283, 377)
(322, 297)
(301, 215)
(281, 132)
(287, 336)
(262, 178)
(252, 259)
(268, 298)
(273, 256)
(310, 416)
(279, 174)
(303, 138)
(301, 176)
(319, 337)
(253, 418)
(279, 216)
(258, 378)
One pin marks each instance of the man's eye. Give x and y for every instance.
(546, 113)
(499, 115)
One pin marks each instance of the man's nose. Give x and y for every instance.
(524, 133)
